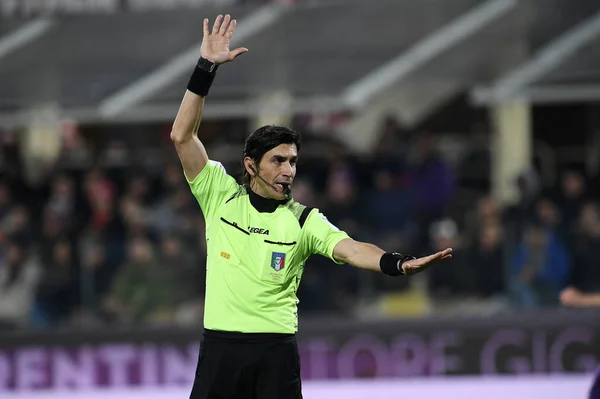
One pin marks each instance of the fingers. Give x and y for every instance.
(421, 264)
(432, 258)
(217, 24)
(231, 29)
(238, 51)
(205, 27)
(445, 254)
(225, 25)
(446, 251)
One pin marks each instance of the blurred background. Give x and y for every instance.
(466, 123)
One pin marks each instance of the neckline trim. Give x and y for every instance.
(263, 204)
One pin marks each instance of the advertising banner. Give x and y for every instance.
(330, 351)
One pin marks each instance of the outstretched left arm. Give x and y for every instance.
(368, 256)
(359, 254)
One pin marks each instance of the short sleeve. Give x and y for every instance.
(212, 187)
(321, 236)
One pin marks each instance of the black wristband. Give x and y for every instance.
(207, 65)
(389, 263)
(202, 77)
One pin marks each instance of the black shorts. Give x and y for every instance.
(247, 366)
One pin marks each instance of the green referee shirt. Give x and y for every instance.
(256, 255)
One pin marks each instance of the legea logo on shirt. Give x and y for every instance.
(278, 261)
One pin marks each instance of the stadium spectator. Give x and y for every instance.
(56, 293)
(62, 202)
(142, 290)
(19, 277)
(342, 203)
(584, 280)
(540, 267)
(188, 280)
(389, 206)
(100, 211)
(171, 178)
(17, 222)
(95, 276)
(487, 260)
(100, 193)
(571, 197)
(486, 212)
(433, 184)
(5, 199)
(458, 277)
(520, 214)
(394, 139)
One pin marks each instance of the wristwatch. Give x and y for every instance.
(207, 65)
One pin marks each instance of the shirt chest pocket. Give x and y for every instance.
(278, 262)
(232, 242)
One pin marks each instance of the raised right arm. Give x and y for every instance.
(185, 135)
(215, 49)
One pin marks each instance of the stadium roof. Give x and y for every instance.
(322, 54)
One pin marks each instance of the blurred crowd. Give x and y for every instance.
(125, 244)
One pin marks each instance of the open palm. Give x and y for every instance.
(414, 266)
(215, 44)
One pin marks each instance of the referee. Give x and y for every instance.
(258, 239)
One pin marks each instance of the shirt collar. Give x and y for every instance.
(263, 204)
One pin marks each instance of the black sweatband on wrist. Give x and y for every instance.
(391, 263)
(202, 77)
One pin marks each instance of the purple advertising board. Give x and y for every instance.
(346, 351)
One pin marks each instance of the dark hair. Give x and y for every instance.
(265, 139)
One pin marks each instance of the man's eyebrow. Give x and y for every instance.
(283, 158)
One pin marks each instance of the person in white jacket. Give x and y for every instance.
(19, 277)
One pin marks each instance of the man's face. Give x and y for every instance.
(490, 237)
(171, 248)
(14, 255)
(140, 251)
(572, 185)
(278, 168)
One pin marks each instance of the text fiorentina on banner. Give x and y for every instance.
(33, 8)
(544, 344)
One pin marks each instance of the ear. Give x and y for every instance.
(249, 166)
